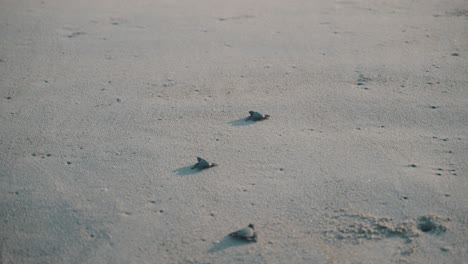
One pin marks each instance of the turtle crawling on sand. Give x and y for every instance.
(256, 116)
(247, 233)
(203, 164)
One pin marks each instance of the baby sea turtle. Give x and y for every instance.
(256, 116)
(203, 164)
(247, 233)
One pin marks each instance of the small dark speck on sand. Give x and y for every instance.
(455, 54)
(412, 165)
(68, 162)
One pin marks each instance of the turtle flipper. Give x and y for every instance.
(253, 238)
(251, 117)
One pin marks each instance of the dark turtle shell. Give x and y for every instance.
(202, 164)
(247, 233)
(256, 116)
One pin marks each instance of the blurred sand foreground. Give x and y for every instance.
(105, 105)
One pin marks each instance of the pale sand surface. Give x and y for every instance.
(104, 105)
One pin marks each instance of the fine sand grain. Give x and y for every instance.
(105, 105)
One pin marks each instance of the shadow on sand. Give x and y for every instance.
(187, 170)
(228, 242)
(241, 122)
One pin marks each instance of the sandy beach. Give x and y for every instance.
(105, 105)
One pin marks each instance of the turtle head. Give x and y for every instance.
(199, 159)
(251, 226)
(251, 112)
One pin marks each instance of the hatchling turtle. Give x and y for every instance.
(203, 164)
(247, 233)
(256, 116)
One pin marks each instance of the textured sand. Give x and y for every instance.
(104, 106)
